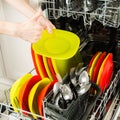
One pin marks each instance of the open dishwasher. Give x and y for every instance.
(97, 24)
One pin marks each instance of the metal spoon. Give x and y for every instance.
(56, 89)
(82, 90)
(66, 92)
(79, 69)
(84, 78)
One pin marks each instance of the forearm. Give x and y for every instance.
(23, 6)
(29, 30)
(8, 28)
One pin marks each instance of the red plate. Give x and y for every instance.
(105, 73)
(91, 61)
(97, 67)
(33, 95)
(51, 68)
(24, 92)
(93, 64)
(47, 68)
(42, 95)
(34, 61)
(40, 66)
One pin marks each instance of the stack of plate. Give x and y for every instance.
(56, 53)
(100, 69)
(28, 92)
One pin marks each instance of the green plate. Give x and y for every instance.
(60, 44)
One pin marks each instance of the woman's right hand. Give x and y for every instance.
(32, 29)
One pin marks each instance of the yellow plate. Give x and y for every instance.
(100, 71)
(40, 65)
(107, 71)
(47, 68)
(93, 64)
(60, 44)
(109, 56)
(33, 95)
(15, 89)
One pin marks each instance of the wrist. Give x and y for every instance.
(13, 29)
(16, 31)
(9, 28)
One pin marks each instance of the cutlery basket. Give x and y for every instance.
(75, 110)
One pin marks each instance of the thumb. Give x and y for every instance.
(37, 15)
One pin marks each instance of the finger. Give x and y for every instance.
(50, 27)
(40, 11)
(36, 16)
(53, 26)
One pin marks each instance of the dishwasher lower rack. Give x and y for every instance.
(105, 11)
(96, 112)
(100, 109)
(96, 109)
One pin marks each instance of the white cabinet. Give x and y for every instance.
(16, 52)
(1, 64)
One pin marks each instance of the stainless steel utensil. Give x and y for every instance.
(82, 90)
(66, 92)
(73, 76)
(60, 102)
(84, 78)
(79, 69)
(89, 5)
(56, 89)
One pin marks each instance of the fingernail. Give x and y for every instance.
(50, 31)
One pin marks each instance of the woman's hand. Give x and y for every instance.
(29, 30)
(32, 29)
(46, 24)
